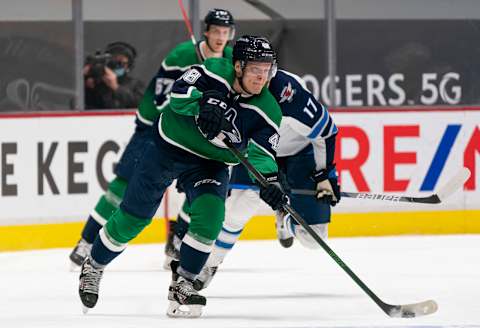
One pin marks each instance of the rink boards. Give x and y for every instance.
(53, 167)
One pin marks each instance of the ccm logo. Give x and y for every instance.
(214, 101)
(207, 181)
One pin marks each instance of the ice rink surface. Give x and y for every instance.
(259, 285)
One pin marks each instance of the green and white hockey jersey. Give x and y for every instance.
(255, 120)
(177, 62)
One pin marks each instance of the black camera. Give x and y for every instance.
(98, 62)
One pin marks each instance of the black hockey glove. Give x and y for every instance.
(327, 187)
(273, 194)
(210, 119)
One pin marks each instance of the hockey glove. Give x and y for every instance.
(210, 119)
(273, 194)
(327, 187)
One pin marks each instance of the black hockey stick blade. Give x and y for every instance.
(445, 191)
(410, 310)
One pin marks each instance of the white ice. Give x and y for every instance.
(259, 285)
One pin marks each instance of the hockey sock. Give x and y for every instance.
(90, 230)
(224, 243)
(207, 213)
(110, 201)
(181, 227)
(106, 206)
(193, 256)
(183, 221)
(113, 238)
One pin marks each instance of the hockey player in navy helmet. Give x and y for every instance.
(219, 29)
(209, 102)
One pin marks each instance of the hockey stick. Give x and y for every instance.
(190, 30)
(448, 189)
(403, 311)
(395, 311)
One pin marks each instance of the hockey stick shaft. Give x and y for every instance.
(190, 30)
(432, 199)
(390, 310)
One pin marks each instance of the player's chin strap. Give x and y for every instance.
(403, 311)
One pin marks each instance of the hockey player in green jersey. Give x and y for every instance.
(207, 103)
(219, 29)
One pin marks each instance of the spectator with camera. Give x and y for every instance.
(108, 83)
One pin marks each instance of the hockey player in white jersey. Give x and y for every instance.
(306, 157)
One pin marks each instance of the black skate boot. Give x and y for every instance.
(89, 284)
(173, 267)
(204, 278)
(171, 253)
(284, 236)
(184, 300)
(80, 253)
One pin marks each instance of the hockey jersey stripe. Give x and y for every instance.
(97, 217)
(320, 126)
(143, 119)
(199, 246)
(262, 114)
(215, 77)
(224, 245)
(165, 103)
(188, 93)
(110, 243)
(174, 68)
(265, 150)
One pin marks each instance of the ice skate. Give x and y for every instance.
(89, 284)
(204, 278)
(184, 300)
(79, 254)
(170, 252)
(284, 236)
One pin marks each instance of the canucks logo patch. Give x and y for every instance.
(287, 93)
(232, 133)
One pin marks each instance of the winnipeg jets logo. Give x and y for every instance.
(232, 131)
(287, 93)
(273, 140)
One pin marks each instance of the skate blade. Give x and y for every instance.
(177, 310)
(85, 309)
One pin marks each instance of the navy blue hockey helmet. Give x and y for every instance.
(220, 17)
(255, 48)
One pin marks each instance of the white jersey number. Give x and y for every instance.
(311, 108)
(163, 86)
